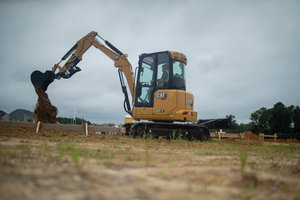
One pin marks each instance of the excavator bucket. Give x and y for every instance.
(42, 80)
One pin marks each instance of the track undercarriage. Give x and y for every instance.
(168, 131)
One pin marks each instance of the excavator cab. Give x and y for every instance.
(161, 89)
(158, 71)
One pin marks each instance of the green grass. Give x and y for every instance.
(243, 159)
(80, 154)
(73, 150)
(59, 134)
(58, 153)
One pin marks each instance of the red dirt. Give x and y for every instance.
(251, 136)
(44, 110)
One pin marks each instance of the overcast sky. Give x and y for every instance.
(242, 55)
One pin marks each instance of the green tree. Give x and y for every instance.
(261, 120)
(238, 128)
(65, 120)
(296, 119)
(234, 124)
(281, 118)
(245, 127)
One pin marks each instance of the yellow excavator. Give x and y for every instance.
(161, 106)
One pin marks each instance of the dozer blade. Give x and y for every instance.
(42, 80)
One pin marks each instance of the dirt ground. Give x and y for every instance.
(68, 165)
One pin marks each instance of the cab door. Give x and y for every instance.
(145, 82)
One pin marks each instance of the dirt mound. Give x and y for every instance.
(251, 136)
(44, 110)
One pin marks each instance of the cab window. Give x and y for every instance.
(145, 82)
(178, 75)
(163, 70)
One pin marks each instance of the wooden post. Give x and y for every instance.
(37, 127)
(86, 130)
(122, 130)
(219, 134)
(275, 136)
(241, 135)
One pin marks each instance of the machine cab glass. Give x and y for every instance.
(157, 71)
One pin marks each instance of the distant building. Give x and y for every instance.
(3, 115)
(21, 115)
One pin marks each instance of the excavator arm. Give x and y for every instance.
(74, 56)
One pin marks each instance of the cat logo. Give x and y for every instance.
(161, 95)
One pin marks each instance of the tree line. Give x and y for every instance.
(281, 119)
(80, 121)
(66, 120)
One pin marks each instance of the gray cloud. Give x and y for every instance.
(242, 55)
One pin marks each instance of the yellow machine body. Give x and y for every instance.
(169, 105)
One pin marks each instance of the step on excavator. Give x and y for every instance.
(160, 104)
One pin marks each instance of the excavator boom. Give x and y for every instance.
(74, 56)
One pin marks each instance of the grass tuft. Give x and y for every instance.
(243, 159)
